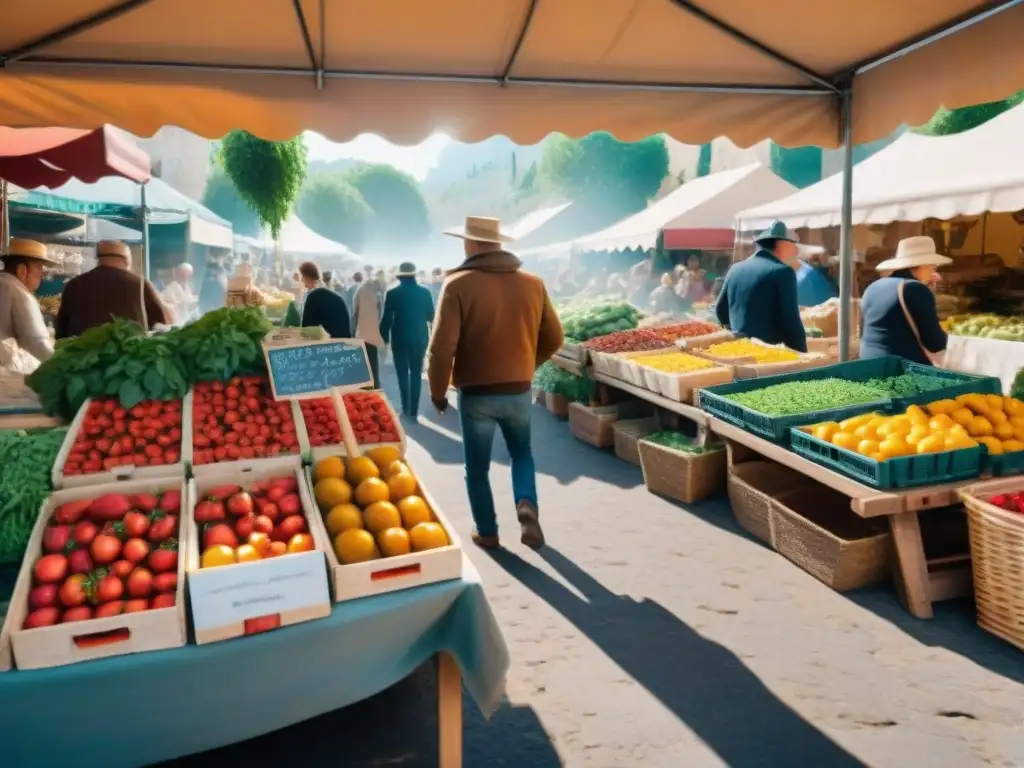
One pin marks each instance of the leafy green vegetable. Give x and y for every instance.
(1017, 388)
(26, 458)
(550, 378)
(678, 441)
(224, 343)
(908, 384)
(794, 397)
(597, 318)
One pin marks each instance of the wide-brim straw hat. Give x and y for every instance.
(28, 249)
(918, 251)
(481, 229)
(406, 269)
(113, 248)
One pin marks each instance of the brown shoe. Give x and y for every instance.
(486, 542)
(529, 522)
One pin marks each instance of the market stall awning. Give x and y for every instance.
(403, 69)
(534, 220)
(916, 177)
(49, 157)
(700, 213)
(298, 239)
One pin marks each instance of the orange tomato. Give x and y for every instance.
(219, 554)
(276, 549)
(247, 553)
(300, 542)
(260, 541)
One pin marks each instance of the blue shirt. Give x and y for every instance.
(759, 300)
(813, 286)
(408, 312)
(885, 328)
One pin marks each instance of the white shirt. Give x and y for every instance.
(180, 299)
(22, 320)
(367, 314)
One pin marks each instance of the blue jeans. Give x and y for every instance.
(479, 415)
(409, 367)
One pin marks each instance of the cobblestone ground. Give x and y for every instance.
(651, 634)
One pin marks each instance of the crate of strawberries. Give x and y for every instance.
(322, 426)
(237, 422)
(371, 421)
(255, 556)
(107, 442)
(101, 575)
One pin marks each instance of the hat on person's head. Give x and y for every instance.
(481, 229)
(113, 248)
(22, 248)
(777, 231)
(917, 251)
(406, 269)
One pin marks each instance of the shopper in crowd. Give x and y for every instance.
(178, 294)
(328, 280)
(663, 299)
(322, 306)
(758, 298)
(692, 281)
(814, 285)
(495, 325)
(436, 282)
(20, 315)
(366, 321)
(898, 312)
(350, 292)
(408, 313)
(214, 289)
(108, 290)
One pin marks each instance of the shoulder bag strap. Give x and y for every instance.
(934, 358)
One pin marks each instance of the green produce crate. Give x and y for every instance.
(902, 472)
(1005, 464)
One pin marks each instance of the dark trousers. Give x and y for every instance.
(371, 355)
(409, 366)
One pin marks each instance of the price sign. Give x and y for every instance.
(300, 370)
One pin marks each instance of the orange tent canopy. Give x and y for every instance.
(748, 69)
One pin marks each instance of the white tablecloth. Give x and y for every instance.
(990, 357)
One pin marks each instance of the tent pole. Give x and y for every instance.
(845, 226)
(5, 218)
(145, 253)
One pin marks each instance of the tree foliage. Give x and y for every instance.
(332, 207)
(948, 121)
(267, 174)
(399, 211)
(612, 176)
(221, 197)
(704, 160)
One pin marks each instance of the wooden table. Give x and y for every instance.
(921, 581)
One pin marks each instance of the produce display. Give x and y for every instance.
(321, 420)
(1011, 502)
(585, 321)
(994, 421)
(987, 326)
(557, 381)
(793, 397)
(276, 301)
(26, 458)
(239, 419)
(237, 525)
(106, 556)
(640, 339)
(674, 362)
(908, 384)
(677, 441)
(146, 435)
(370, 417)
(372, 507)
(50, 305)
(761, 353)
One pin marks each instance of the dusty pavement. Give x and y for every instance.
(650, 634)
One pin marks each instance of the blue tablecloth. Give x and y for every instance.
(143, 708)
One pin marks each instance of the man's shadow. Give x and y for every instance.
(704, 684)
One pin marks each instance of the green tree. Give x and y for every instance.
(947, 121)
(704, 160)
(529, 182)
(332, 207)
(221, 197)
(267, 174)
(612, 177)
(399, 211)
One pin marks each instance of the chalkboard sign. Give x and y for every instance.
(303, 370)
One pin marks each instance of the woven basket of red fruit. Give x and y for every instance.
(995, 520)
(107, 442)
(255, 554)
(101, 576)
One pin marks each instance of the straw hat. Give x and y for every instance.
(913, 252)
(406, 269)
(28, 249)
(113, 248)
(481, 229)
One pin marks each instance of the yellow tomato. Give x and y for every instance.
(994, 402)
(1018, 434)
(894, 446)
(940, 422)
(1010, 446)
(979, 427)
(850, 424)
(916, 415)
(897, 425)
(1017, 422)
(943, 407)
(865, 432)
(975, 402)
(998, 417)
(826, 430)
(1003, 431)
(867, 447)
(917, 433)
(994, 446)
(248, 553)
(217, 555)
(879, 456)
(962, 416)
(931, 444)
(1013, 407)
(845, 440)
(955, 442)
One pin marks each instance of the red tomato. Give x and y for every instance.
(84, 533)
(121, 568)
(164, 600)
(290, 504)
(56, 538)
(44, 617)
(135, 606)
(263, 524)
(245, 526)
(72, 592)
(78, 613)
(80, 561)
(109, 588)
(136, 550)
(140, 583)
(71, 512)
(50, 569)
(218, 534)
(165, 582)
(135, 523)
(43, 596)
(291, 525)
(163, 528)
(105, 549)
(164, 558)
(113, 608)
(300, 542)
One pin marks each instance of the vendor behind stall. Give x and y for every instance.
(20, 316)
(758, 298)
(814, 285)
(898, 310)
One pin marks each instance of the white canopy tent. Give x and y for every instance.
(914, 178)
(298, 239)
(534, 220)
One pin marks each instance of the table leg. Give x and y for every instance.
(449, 711)
(906, 537)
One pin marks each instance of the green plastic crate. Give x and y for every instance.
(1004, 464)
(901, 472)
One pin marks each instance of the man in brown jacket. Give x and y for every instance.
(495, 324)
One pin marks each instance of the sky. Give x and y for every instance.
(416, 160)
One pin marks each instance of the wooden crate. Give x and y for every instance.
(246, 598)
(176, 470)
(682, 387)
(62, 644)
(346, 428)
(593, 425)
(390, 574)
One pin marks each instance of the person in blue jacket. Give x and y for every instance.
(898, 313)
(814, 286)
(408, 314)
(759, 299)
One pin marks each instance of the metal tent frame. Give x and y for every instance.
(837, 86)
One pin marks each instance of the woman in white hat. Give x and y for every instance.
(898, 311)
(20, 316)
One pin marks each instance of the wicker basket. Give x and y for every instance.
(593, 425)
(814, 527)
(997, 559)
(752, 486)
(686, 477)
(626, 433)
(558, 405)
